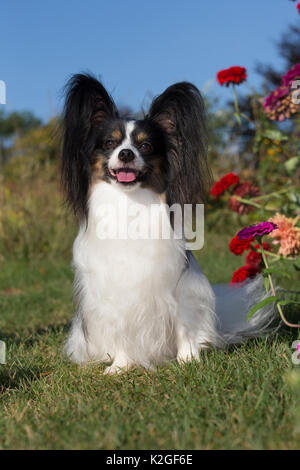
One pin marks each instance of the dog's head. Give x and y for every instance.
(165, 151)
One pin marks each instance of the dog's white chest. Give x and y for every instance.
(121, 255)
(127, 286)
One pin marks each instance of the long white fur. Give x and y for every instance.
(146, 301)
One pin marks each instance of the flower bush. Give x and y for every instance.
(278, 207)
(254, 261)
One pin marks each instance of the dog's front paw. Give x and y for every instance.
(187, 354)
(116, 369)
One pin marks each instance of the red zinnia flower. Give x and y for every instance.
(254, 259)
(228, 180)
(243, 273)
(234, 75)
(266, 246)
(238, 246)
(298, 6)
(242, 190)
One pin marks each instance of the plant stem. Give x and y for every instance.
(292, 325)
(248, 119)
(251, 202)
(266, 196)
(247, 201)
(269, 253)
(238, 111)
(236, 106)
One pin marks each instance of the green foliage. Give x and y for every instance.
(12, 125)
(33, 219)
(17, 123)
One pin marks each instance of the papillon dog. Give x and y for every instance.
(143, 300)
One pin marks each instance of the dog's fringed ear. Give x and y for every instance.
(87, 105)
(180, 112)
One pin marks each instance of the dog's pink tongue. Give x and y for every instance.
(126, 176)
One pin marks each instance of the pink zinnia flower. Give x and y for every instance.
(287, 235)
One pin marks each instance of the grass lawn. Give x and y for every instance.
(234, 399)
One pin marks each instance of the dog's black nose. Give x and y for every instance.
(126, 155)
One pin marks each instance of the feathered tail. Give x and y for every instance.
(233, 305)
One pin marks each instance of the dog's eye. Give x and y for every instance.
(109, 144)
(146, 147)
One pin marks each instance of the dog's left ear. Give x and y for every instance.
(180, 112)
(87, 107)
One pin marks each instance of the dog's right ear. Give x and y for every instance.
(87, 106)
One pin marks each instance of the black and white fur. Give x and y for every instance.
(143, 301)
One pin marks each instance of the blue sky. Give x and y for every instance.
(137, 47)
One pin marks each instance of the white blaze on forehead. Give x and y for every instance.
(129, 127)
(126, 143)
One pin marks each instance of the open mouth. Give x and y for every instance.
(125, 175)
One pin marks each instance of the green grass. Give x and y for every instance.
(233, 399)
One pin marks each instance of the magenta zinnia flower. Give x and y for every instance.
(291, 75)
(257, 230)
(279, 105)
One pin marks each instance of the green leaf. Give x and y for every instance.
(291, 164)
(273, 270)
(297, 265)
(275, 135)
(261, 304)
(267, 283)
